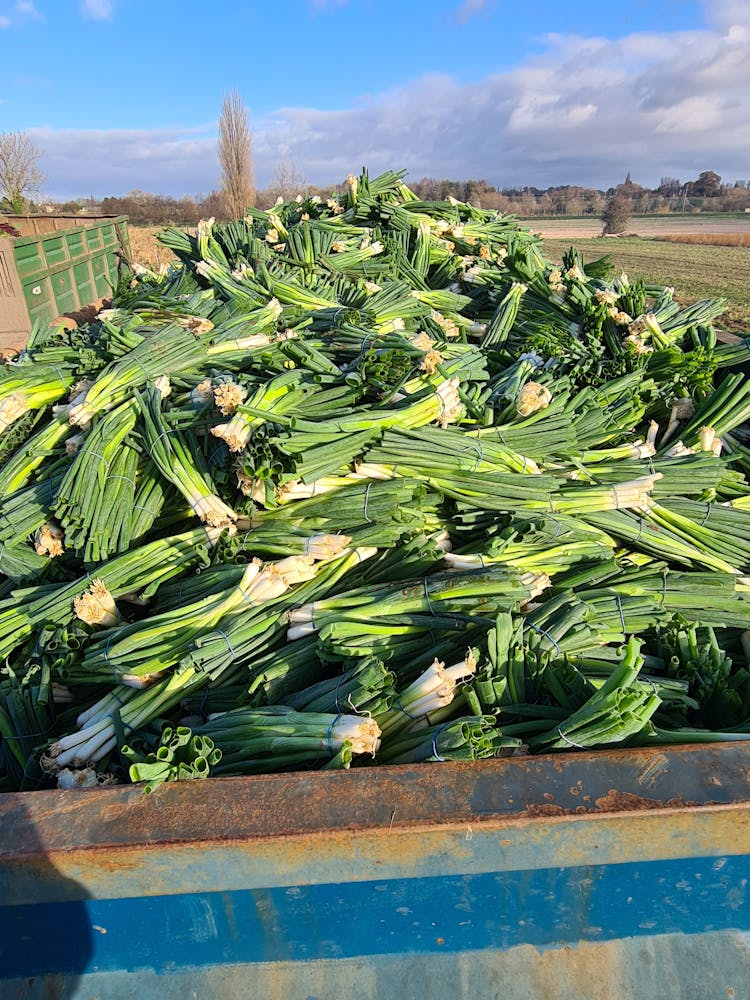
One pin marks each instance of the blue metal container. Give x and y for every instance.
(617, 875)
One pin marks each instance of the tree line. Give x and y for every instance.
(20, 179)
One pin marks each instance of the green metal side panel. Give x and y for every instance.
(63, 271)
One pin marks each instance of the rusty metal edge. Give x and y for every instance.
(664, 781)
(156, 868)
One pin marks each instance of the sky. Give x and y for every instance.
(125, 94)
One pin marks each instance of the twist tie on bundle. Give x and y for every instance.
(401, 708)
(248, 600)
(558, 528)
(500, 437)
(336, 693)
(95, 454)
(27, 736)
(640, 531)
(116, 696)
(169, 430)
(116, 671)
(664, 587)
(140, 364)
(427, 596)
(225, 637)
(138, 506)
(551, 505)
(617, 498)
(330, 732)
(562, 736)
(204, 699)
(126, 479)
(708, 513)
(435, 735)
(541, 631)
(59, 375)
(367, 497)
(619, 608)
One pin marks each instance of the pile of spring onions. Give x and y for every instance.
(370, 480)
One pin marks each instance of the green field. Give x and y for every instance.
(697, 272)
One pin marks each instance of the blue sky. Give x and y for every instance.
(123, 94)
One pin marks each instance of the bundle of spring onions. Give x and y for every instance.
(370, 480)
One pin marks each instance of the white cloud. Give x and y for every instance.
(320, 6)
(97, 10)
(469, 9)
(27, 9)
(585, 111)
(114, 161)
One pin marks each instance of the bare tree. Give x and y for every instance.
(287, 181)
(616, 215)
(236, 157)
(19, 172)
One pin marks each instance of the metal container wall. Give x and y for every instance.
(52, 272)
(622, 875)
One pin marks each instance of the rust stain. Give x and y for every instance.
(544, 809)
(615, 801)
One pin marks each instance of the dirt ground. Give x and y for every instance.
(666, 225)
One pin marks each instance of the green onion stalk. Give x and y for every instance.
(181, 465)
(618, 710)
(174, 350)
(30, 387)
(138, 654)
(138, 570)
(465, 738)
(253, 740)
(478, 592)
(418, 704)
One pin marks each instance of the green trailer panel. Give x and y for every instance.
(53, 271)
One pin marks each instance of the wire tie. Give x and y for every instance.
(225, 637)
(336, 693)
(169, 430)
(367, 496)
(27, 736)
(427, 595)
(126, 479)
(204, 699)
(562, 736)
(619, 608)
(329, 733)
(541, 631)
(401, 708)
(617, 498)
(117, 672)
(664, 587)
(249, 600)
(62, 380)
(134, 357)
(435, 735)
(558, 528)
(640, 530)
(138, 506)
(708, 513)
